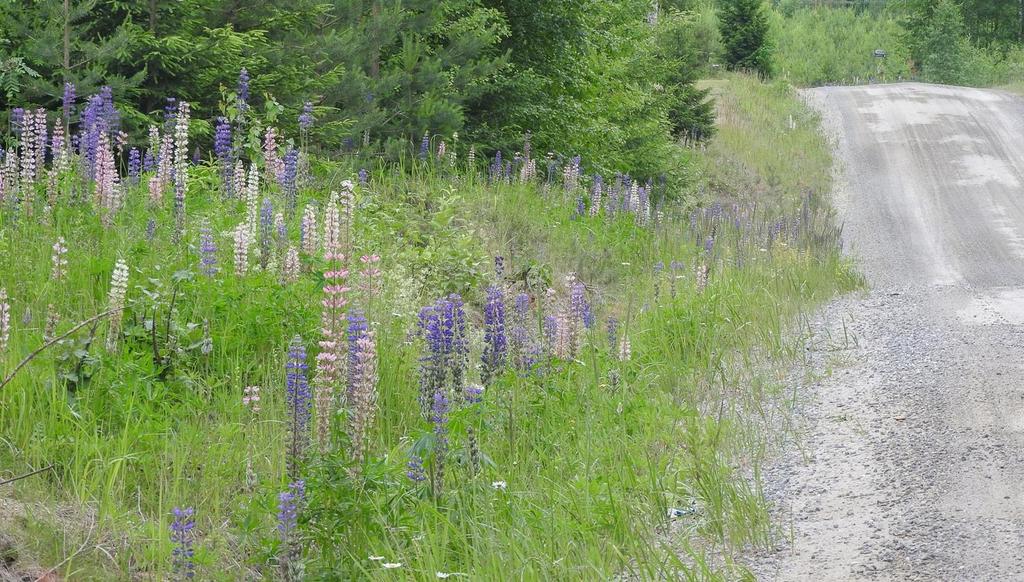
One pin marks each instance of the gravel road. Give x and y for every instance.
(912, 463)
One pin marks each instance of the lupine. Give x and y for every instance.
(271, 160)
(306, 117)
(297, 398)
(441, 149)
(362, 384)
(346, 207)
(242, 93)
(183, 565)
(701, 277)
(613, 333)
(414, 469)
(180, 165)
(28, 155)
(17, 121)
(118, 288)
(222, 149)
(251, 398)
(288, 507)
(625, 349)
(369, 282)
(289, 176)
(425, 145)
(290, 268)
(595, 196)
(207, 250)
(252, 194)
(446, 349)
(330, 361)
(59, 260)
(40, 133)
(68, 101)
(58, 147)
(308, 231)
(520, 342)
(134, 165)
(107, 193)
(676, 267)
(495, 340)
(364, 177)
(439, 419)
(5, 320)
(241, 238)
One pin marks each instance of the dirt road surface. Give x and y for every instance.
(912, 464)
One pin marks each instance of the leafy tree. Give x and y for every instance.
(944, 47)
(745, 36)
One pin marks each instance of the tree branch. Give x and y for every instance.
(29, 357)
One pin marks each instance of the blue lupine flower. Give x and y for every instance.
(495, 341)
(183, 565)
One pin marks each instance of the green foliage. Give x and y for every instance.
(943, 47)
(819, 46)
(746, 36)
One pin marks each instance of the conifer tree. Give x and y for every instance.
(745, 36)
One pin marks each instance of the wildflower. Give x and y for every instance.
(150, 229)
(362, 388)
(252, 193)
(118, 288)
(60, 261)
(613, 333)
(271, 160)
(306, 117)
(702, 277)
(415, 471)
(238, 180)
(52, 319)
(297, 398)
(330, 361)
(289, 176)
(495, 341)
(473, 394)
(206, 345)
(5, 320)
(595, 196)
(441, 149)
(499, 485)
(251, 398)
(289, 504)
(364, 177)
(425, 145)
(134, 165)
(442, 327)
(391, 566)
(292, 264)
(180, 165)
(266, 232)
(625, 349)
(106, 193)
(68, 101)
(241, 250)
(207, 250)
(183, 565)
(242, 93)
(59, 150)
(307, 231)
(370, 276)
(439, 420)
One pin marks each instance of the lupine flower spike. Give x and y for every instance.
(182, 564)
(118, 288)
(5, 321)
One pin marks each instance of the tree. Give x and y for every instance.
(945, 50)
(745, 36)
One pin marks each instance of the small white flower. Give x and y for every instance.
(499, 485)
(443, 575)
(376, 558)
(391, 565)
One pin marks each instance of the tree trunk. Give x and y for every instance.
(152, 16)
(375, 47)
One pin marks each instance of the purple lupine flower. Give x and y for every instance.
(150, 229)
(306, 117)
(243, 90)
(709, 245)
(442, 326)
(495, 341)
(68, 103)
(288, 503)
(499, 267)
(266, 232)
(17, 121)
(357, 329)
(134, 165)
(364, 177)
(414, 469)
(222, 141)
(473, 394)
(289, 177)
(439, 419)
(207, 251)
(520, 344)
(581, 207)
(497, 167)
(550, 333)
(613, 333)
(148, 162)
(170, 110)
(579, 307)
(183, 565)
(425, 146)
(298, 399)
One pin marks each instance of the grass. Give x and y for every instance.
(593, 450)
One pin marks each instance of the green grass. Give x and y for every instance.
(594, 452)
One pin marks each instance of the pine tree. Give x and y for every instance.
(745, 36)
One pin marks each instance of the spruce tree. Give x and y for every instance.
(745, 36)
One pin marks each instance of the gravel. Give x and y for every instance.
(910, 464)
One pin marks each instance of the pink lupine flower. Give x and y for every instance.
(308, 233)
(292, 265)
(369, 283)
(60, 262)
(251, 398)
(107, 195)
(273, 162)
